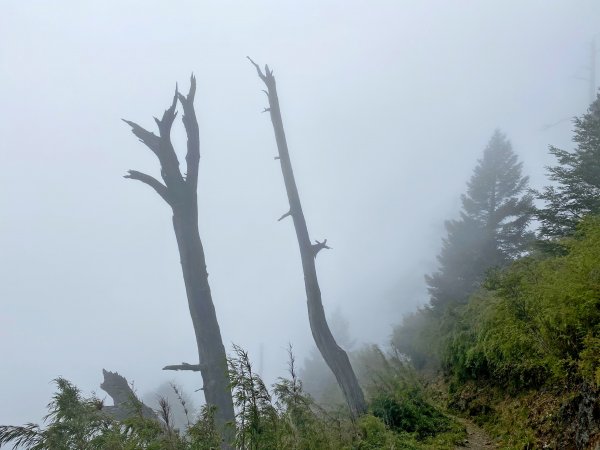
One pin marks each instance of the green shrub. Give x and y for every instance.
(397, 396)
(535, 322)
(589, 360)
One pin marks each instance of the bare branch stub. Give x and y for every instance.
(287, 214)
(318, 246)
(183, 366)
(160, 188)
(151, 140)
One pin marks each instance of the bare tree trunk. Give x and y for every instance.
(335, 357)
(180, 193)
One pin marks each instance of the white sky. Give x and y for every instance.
(387, 105)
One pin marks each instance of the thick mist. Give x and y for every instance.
(386, 105)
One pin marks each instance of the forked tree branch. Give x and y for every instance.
(168, 158)
(165, 124)
(161, 145)
(318, 246)
(260, 72)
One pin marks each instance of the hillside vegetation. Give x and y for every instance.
(517, 349)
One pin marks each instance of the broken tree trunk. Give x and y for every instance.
(335, 357)
(126, 403)
(180, 193)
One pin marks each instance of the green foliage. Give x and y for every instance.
(285, 418)
(491, 231)
(203, 434)
(529, 339)
(495, 201)
(256, 416)
(398, 398)
(301, 427)
(78, 423)
(524, 328)
(376, 435)
(589, 359)
(577, 192)
(538, 322)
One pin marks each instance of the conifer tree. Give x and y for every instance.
(577, 175)
(492, 229)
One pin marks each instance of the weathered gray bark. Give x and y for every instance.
(335, 357)
(180, 193)
(126, 403)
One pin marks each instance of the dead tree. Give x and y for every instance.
(126, 403)
(335, 357)
(179, 192)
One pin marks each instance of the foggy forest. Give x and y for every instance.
(262, 225)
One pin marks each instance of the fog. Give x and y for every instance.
(386, 105)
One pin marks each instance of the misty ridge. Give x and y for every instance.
(382, 221)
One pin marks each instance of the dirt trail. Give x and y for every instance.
(477, 438)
